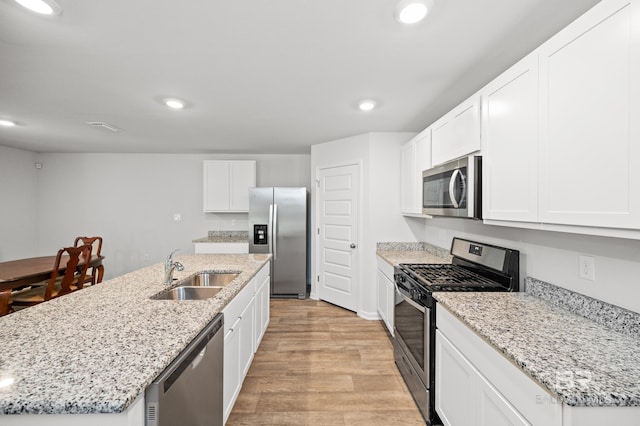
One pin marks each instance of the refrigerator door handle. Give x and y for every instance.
(270, 228)
(274, 236)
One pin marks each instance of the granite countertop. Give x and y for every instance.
(579, 361)
(397, 253)
(224, 237)
(96, 350)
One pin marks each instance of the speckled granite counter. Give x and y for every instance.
(96, 350)
(548, 342)
(224, 237)
(396, 253)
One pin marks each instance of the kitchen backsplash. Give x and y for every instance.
(431, 249)
(611, 316)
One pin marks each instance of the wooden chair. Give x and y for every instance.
(96, 247)
(57, 287)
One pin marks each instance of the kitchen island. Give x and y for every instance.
(93, 352)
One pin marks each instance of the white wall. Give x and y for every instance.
(379, 215)
(130, 200)
(553, 256)
(18, 203)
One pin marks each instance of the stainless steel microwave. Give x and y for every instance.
(454, 189)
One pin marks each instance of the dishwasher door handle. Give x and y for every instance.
(198, 359)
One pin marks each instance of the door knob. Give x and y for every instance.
(353, 245)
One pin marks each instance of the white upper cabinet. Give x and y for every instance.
(510, 143)
(590, 120)
(457, 133)
(226, 185)
(416, 157)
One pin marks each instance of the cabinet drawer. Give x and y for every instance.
(234, 309)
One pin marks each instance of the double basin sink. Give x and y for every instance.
(203, 285)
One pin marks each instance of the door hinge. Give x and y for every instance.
(318, 278)
(318, 231)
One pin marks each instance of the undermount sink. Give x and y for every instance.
(189, 293)
(210, 279)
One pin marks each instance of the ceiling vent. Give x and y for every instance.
(103, 125)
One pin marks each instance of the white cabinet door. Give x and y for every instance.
(216, 248)
(385, 290)
(416, 157)
(226, 185)
(510, 143)
(382, 304)
(231, 378)
(262, 310)
(216, 186)
(457, 133)
(390, 301)
(590, 120)
(246, 330)
(243, 177)
(408, 153)
(441, 140)
(455, 398)
(493, 409)
(464, 396)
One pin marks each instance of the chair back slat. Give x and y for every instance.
(70, 278)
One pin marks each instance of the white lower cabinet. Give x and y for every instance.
(476, 385)
(231, 377)
(262, 307)
(241, 325)
(463, 386)
(385, 293)
(218, 248)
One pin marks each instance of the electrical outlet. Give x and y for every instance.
(177, 217)
(587, 268)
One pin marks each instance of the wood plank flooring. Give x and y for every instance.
(322, 365)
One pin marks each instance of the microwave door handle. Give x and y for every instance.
(452, 187)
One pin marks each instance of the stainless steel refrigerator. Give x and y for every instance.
(278, 224)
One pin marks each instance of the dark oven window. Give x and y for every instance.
(409, 324)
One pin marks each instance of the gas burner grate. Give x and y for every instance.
(447, 277)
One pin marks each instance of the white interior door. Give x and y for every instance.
(339, 193)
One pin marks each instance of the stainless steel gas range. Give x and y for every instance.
(475, 267)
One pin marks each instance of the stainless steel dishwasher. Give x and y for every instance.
(189, 391)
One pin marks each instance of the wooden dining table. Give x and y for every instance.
(15, 274)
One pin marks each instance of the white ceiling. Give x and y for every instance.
(259, 76)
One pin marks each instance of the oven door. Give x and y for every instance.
(412, 322)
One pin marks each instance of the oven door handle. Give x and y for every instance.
(412, 303)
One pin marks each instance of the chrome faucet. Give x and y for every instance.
(169, 266)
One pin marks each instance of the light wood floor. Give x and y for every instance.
(322, 365)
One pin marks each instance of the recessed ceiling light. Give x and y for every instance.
(174, 103)
(413, 11)
(43, 7)
(7, 123)
(367, 105)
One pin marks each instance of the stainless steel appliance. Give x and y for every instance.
(189, 391)
(475, 267)
(454, 189)
(278, 225)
